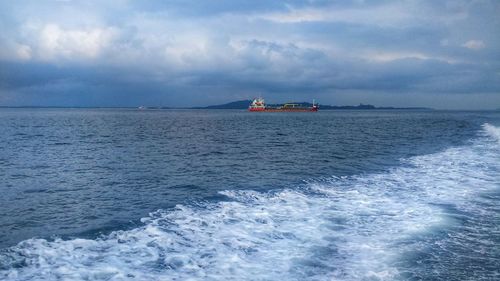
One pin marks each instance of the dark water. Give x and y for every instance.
(344, 195)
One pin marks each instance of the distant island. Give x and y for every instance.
(243, 104)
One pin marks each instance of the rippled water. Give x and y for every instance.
(225, 195)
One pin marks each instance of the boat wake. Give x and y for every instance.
(367, 227)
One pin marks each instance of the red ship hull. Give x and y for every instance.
(310, 109)
(256, 109)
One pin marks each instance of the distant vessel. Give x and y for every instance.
(258, 104)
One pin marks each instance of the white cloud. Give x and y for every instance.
(383, 57)
(380, 15)
(187, 49)
(55, 42)
(388, 57)
(474, 44)
(11, 50)
(24, 52)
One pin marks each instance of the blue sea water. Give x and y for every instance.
(110, 194)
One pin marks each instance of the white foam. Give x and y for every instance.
(337, 229)
(492, 131)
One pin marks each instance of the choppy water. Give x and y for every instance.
(231, 195)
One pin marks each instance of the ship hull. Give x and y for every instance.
(256, 109)
(310, 109)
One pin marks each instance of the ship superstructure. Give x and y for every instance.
(258, 104)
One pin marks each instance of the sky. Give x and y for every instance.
(439, 54)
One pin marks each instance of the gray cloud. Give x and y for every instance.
(174, 53)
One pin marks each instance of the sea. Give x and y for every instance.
(126, 194)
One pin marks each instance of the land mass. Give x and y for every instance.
(243, 104)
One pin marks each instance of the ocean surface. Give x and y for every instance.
(123, 194)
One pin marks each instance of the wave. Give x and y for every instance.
(491, 131)
(348, 228)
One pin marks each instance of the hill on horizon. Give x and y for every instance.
(243, 104)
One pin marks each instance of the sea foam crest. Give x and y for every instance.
(492, 131)
(351, 228)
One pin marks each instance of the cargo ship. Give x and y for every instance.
(258, 104)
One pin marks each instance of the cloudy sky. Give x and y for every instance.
(441, 54)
